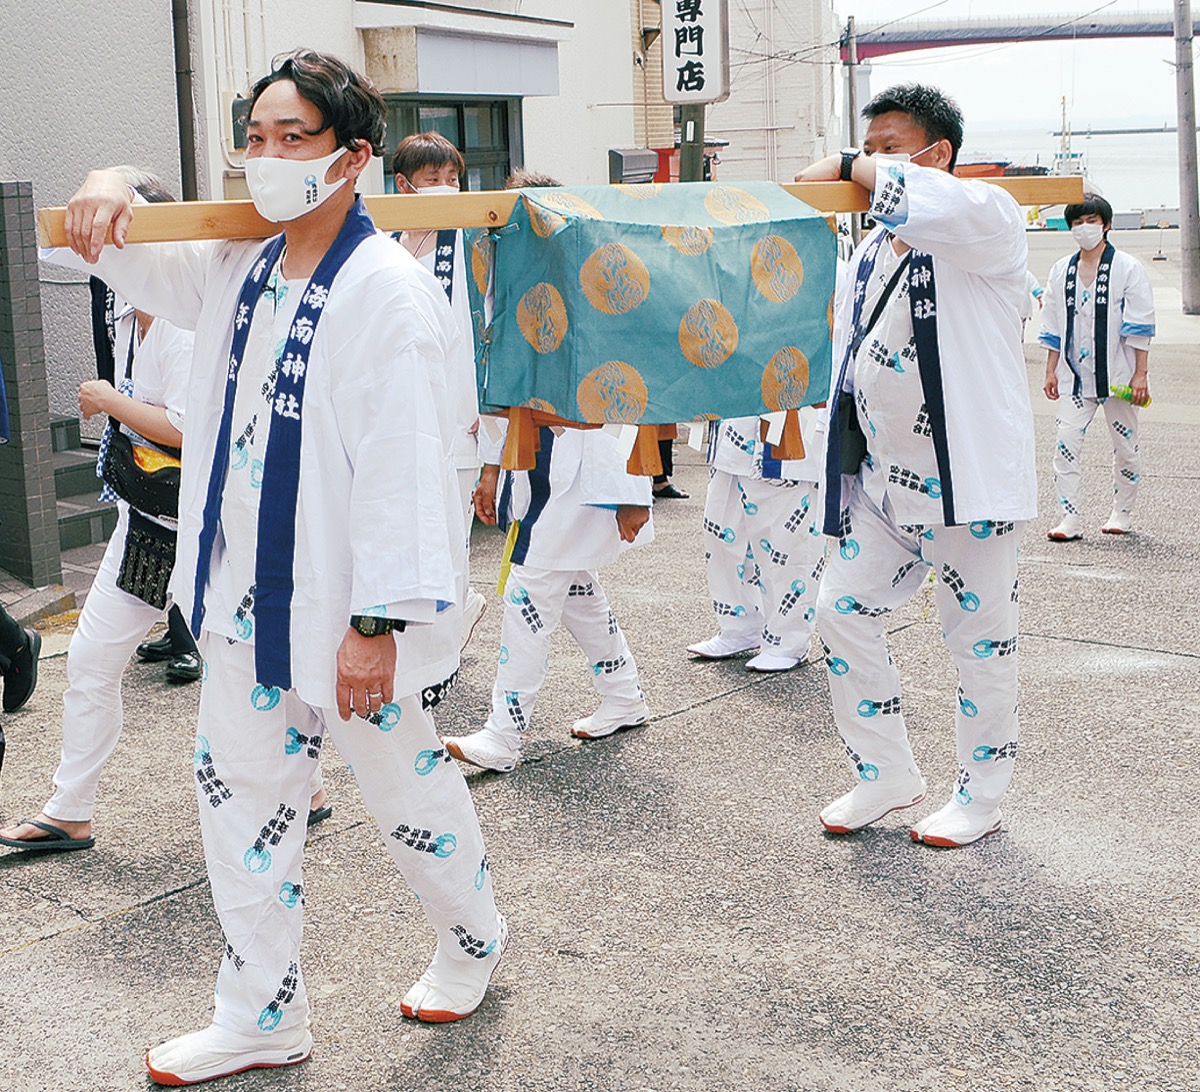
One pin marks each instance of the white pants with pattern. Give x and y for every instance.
(1072, 417)
(110, 627)
(256, 749)
(876, 568)
(535, 601)
(765, 553)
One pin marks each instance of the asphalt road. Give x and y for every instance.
(679, 919)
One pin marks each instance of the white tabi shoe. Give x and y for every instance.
(722, 647)
(1118, 523)
(450, 988)
(216, 1052)
(604, 722)
(955, 826)
(472, 611)
(870, 801)
(484, 749)
(1069, 530)
(773, 661)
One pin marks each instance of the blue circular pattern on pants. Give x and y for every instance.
(389, 717)
(264, 698)
(446, 844)
(428, 761)
(269, 1018)
(293, 744)
(289, 894)
(257, 860)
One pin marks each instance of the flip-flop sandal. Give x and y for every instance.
(319, 815)
(56, 839)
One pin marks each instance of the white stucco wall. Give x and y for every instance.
(568, 136)
(83, 85)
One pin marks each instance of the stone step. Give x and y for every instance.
(85, 520)
(64, 433)
(75, 473)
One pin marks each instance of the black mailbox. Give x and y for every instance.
(632, 165)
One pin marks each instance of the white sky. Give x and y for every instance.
(1107, 82)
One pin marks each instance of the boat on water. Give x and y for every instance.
(998, 168)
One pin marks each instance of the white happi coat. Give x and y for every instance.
(460, 371)
(577, 527)
(975, 234)
(1130, 324)
(374, 523)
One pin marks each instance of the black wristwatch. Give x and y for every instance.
(370, 626)
(849, 155)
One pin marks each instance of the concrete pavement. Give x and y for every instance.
(679, 919)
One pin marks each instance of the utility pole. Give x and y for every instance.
(852, 110)
(1189, 201)
(691, 142)
(851, 82)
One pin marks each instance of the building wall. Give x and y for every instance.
(783, 109)
(83, 85)
(568, 136)
(653, 120)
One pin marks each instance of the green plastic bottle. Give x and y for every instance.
(1126, 395)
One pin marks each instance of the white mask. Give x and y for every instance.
(284, 189)
(900, 157)
(1088, 235)
(434, 191)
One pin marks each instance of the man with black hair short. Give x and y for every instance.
(930, 461)
(1097, 326)
(320, 564)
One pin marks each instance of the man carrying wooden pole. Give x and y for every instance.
(320, 608)
(930, 462)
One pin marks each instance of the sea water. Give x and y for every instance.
(1132, 170)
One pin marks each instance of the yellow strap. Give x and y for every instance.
(510, 543)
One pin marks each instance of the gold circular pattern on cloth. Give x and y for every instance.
(544, 222)
(481, 251)
(688, 240)
(776, 268)
(541, 405)
(613, 393)
(542, 317)
(614, 279)
(785, 379)
(643, 191)
(708, 334)
(730, 205)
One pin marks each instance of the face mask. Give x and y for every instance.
(434, 191)
(1088, 235)
(283, 189)
(900, 157)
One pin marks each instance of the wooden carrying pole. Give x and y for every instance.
(175, 221)
(187, 220)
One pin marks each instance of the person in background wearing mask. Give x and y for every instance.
(929, 461)
(319, 555)
(1096, 326)
(427, 163)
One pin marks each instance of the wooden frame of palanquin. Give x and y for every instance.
(179, 221)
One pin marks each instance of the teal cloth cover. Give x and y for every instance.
(652, 304)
